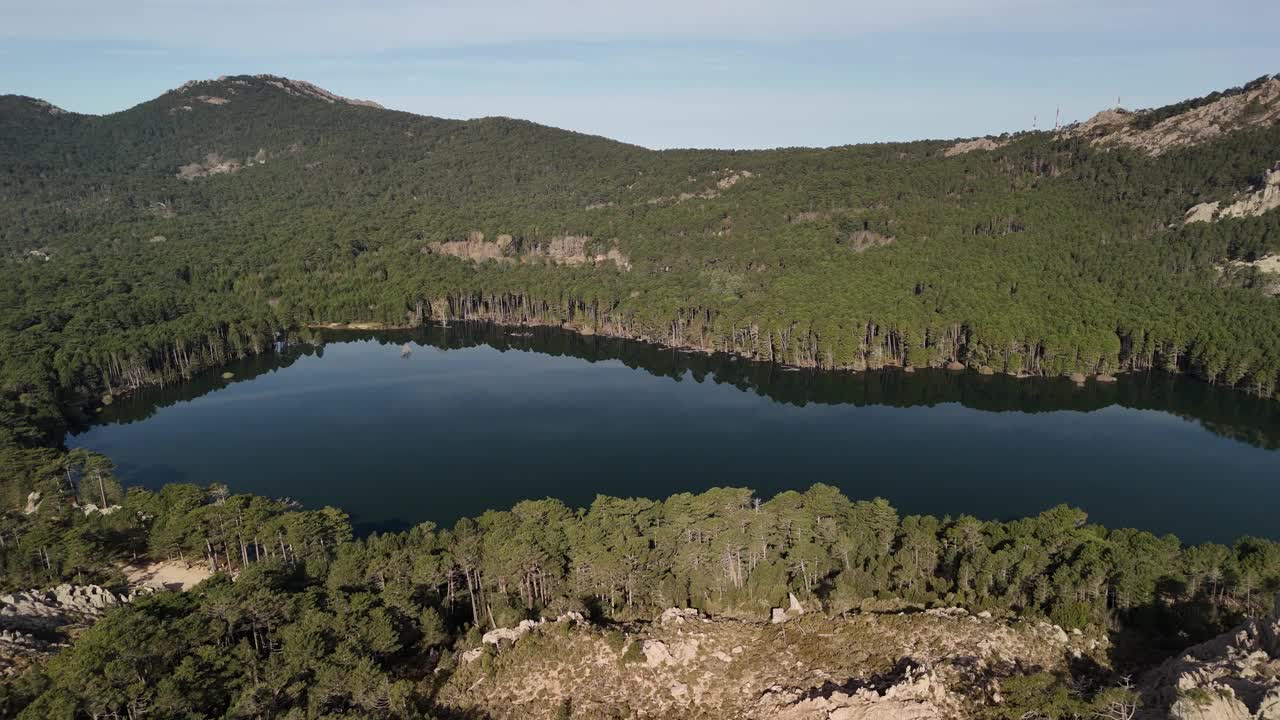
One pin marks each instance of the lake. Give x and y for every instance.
(478, 417)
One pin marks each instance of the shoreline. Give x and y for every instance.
(94, 405)
(1077, 378)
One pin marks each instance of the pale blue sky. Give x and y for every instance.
(663, 73)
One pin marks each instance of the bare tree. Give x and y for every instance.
(1119, 703)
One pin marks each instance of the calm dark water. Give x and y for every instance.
(480, 417)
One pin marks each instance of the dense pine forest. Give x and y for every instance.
(326, 625)
(229, 218)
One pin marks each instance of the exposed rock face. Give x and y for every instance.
(861, 240)
(33, 503)
(216, 164)
(302, 88)
(935, 664)
(794, 610)
(1236, 675)
(1255, 203)
(1257, 107)
(1102, 124)
(475, 248)
(213, 164)
(679, 616)
(298, 88)
(563, 249)
(1204, 212)
(909, 693)
(33, 623)
(1267, 265)
(658, 653)
(1249, 204)
(979, 144)
(47, 610)
(17, 649)
(497, 635)
(569, 250)
(725, 179)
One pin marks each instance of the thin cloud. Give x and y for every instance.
(327, 26)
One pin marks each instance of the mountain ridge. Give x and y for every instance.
(304, 88)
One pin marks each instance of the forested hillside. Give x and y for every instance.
(323, 625)
(220, 217)
(228, 217)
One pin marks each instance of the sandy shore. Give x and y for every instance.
(166, 575)
(358, 326)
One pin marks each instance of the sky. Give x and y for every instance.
(663, 73)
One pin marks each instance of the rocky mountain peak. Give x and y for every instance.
(1155, 132)
(216, 91)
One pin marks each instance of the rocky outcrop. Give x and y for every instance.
(978, 144)
(1256, 107)
(1259, 201)
(658, 653)
(476, 248)
(1204, 212)
(301, 88)
(297, 88)
(498, 635)
(680, 616)
(33, 503)
(940, 663)
(18, 649)
(794, 610)
(860, 240)
(216, 164)
(1102, 124)
(724, 179)
(563, 249)
(38, 611)
(1234, 676)
(34, 624)
(908, 693)
(567, 250)
(213, 164)
(1250, 204)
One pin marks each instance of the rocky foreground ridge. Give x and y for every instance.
(942, 663)
(1235, 676)
(925, 665)
(931, 665)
